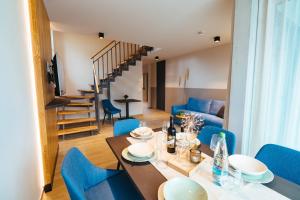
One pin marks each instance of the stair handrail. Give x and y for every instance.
(96, 93)
(104, 53)
(103, 49)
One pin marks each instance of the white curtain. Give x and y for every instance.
(272, 105)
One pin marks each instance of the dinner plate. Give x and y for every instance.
(126, 155)
(247, 165)
(142, 131)
(267, 177)
(134, 135)
(160, 193)
(141, 150)
(184, 188)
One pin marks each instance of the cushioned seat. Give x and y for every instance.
(115, 187)
(282, 161)
(86, 181)
(125, 126)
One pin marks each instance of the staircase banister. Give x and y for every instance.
(102, 49)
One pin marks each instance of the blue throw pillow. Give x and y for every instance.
(215, 106)
(198, 105)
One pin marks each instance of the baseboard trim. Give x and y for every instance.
(48, 187)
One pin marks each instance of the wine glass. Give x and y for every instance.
(142, 124)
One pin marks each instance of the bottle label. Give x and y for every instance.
(171, 141)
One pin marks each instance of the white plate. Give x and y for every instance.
(134, 135)
(264, 178)
(127, 156)
(143, 131)
(247, 164)
(160, 193)
(141, 150)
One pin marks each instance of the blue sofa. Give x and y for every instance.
(211, 110)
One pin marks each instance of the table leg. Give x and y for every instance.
(127, 110)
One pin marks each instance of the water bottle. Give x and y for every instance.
(220, 162)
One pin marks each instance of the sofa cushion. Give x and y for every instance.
(215, 107)
(198, 105)
(221, 112)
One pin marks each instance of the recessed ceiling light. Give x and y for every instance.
(156, 58)
(217, 39)
(101, 35)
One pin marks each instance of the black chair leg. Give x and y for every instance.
(103, 118)
(112, 119)
(119, 165)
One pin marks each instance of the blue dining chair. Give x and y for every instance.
(85, 181)
(109, 110)
(125, 126)
(282, 161)
(207, 132)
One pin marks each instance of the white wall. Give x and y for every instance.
(241, 41)
(74, 52)
(20, 168)
(207, 68)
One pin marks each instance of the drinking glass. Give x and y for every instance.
(142, 124)
(181, 147)
(214, 141)
(232, 181)
(165, 126)
(159, 148)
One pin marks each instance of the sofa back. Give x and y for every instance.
(198, 105)
(209, 106)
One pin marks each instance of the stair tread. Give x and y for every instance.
(78, 104)
(87, 91)
(74, 112)
(77, 130)
(78, 97)
(77, 120)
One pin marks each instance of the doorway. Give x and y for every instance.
(160, 84)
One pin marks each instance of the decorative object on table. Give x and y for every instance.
(125, 126)
(171, 139)
(220, 161)
(208, 108)
(84, 180)
(192, 122)
(206, 133)
(184, 188)
(282, 161)
(109, 110)
(125, 96)
(195, 155)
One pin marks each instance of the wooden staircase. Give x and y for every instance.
(82, 113)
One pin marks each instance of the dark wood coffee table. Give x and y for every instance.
(147, 178)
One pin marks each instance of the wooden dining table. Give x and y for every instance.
(147, 178)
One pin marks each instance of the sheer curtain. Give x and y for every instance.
(272, 106)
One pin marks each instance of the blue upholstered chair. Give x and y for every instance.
(85, 181)
(109, 110)
(206, 133)
(282, 161)
(125, 126)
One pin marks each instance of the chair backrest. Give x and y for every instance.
(282, 161)
(125, 126)
(207, 132)
(106, 104)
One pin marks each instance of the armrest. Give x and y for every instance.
(176, 108)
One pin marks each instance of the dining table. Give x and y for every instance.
(147, 178)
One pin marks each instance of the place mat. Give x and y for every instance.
(202, 175)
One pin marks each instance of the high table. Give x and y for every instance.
(127, 101)
(147, 178)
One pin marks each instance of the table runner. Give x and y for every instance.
(202, 174)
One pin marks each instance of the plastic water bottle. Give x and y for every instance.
(220, 162)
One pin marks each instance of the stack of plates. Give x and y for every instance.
(252, 169)
(142, 133)
(139, 152)
(181, 188)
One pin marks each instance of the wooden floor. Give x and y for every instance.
(96, 150)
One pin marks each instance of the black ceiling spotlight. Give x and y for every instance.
(217, 39)
(156, 58)
(101, 35)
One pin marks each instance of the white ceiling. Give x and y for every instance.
(171, 25)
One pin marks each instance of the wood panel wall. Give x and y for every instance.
(41, 47)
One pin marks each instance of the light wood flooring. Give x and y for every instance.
(96, 150)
